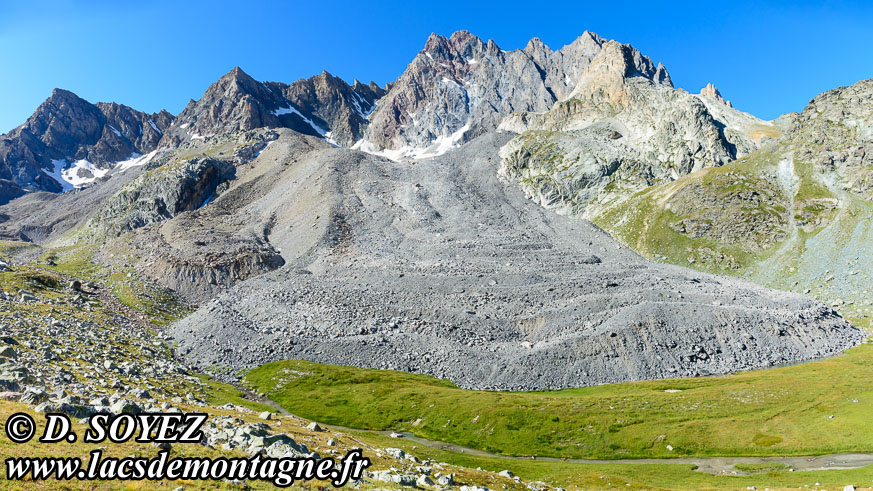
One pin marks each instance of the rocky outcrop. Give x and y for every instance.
(156, 195)
(342, 107)
(459, 87)
(193, 233)
(323, 106)
(835, 134)
(67, 129)
(792, 215)
(712, 92)
(623, 128)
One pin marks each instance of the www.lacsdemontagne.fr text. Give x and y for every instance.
(161, 428)
(281, 472)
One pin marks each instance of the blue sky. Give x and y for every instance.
(767, 58)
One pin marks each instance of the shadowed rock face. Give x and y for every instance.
(322, 105)
(67, 127)
(440, 268)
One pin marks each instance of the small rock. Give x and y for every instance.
(313, 427)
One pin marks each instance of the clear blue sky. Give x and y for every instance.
(767, 59)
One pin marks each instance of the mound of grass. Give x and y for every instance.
(813, 408)
(630, 476)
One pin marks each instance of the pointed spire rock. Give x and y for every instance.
(711, 91)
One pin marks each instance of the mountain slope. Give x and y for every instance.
(440, 268)
(69, 141)
(322, 105)
(797, 214)
(623, 128)
(459, 87)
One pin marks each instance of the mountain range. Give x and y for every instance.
(441, 224)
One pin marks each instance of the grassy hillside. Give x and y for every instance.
(813, 408)
(768, 217)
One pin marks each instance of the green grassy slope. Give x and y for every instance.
(784, 226)
(813, 408)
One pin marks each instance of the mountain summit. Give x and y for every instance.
(711, 91)
(461, 86)
(66, 129)
(323, 105)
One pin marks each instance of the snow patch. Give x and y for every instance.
(75, 175)
(57, 173)
(438, 146)
(135, 160)
(155, 127)
(292, 110)
(114, 130)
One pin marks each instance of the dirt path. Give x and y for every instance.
(710, 465)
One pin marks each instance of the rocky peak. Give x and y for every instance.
(65, 120)
(235, 102)
(323, 105)
(341, 109)
(711, 91)
(605, 77)
(65, 129)
(459, 87)
(238, 82)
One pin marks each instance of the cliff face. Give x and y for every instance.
(623, 128)
(67, 129)
(322, 105)
(460, 87)
(793, 215)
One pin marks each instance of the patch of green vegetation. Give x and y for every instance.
(809, 186)
(158, 304)
(11, 248)
(760, 467)
(30, 278)
(763, 440)
(765, 412)
(642, 223)
(219, 394)
(629, 476)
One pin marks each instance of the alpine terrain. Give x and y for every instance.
(511, 222)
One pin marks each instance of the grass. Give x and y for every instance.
(158, 304)
(633, 476)
(567, 475)
(218, 394)
(9, 248)
(813, 408)
(760, 467)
